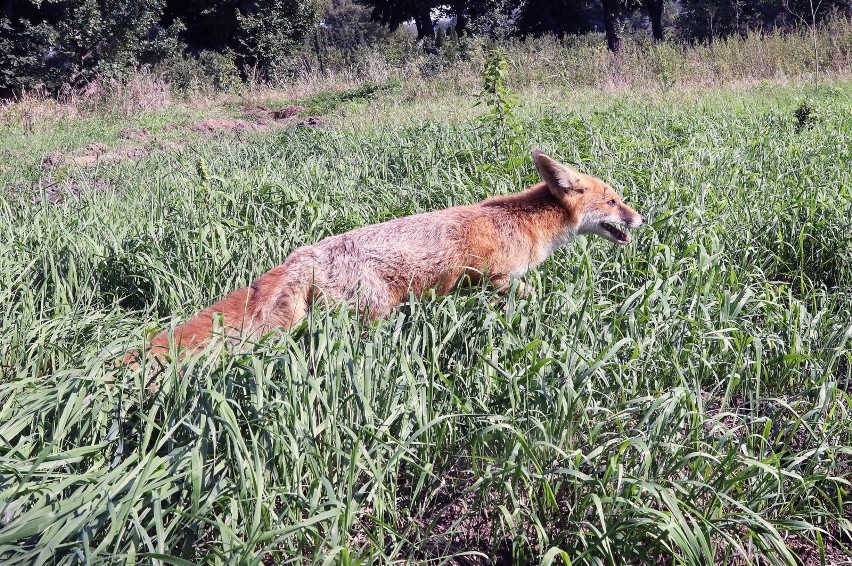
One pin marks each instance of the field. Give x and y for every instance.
(681, 400)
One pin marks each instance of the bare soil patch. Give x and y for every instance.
(809, 553)
(286, 113)
(97, 152)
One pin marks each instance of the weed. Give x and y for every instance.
(806, 115)
(501, 123)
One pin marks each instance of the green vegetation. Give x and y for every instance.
(61, 44)
(683, 399)
(325, 102)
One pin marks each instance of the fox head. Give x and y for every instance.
(592, 205)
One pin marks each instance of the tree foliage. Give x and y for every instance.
(396, 12)
(270, 28)
(347, 26)
(52, 42)
(708, 19)
(256, 32)
(558, 17)
(48, 43)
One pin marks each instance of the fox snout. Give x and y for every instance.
(631, 218)
(610, 225)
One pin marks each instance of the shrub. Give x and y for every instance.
(208, 71)
(272, 28)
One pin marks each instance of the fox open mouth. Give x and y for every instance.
(617, 234)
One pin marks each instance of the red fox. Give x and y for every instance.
(375, 267)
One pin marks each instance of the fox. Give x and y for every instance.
(375, 267)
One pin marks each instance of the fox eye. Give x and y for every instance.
(612, 202)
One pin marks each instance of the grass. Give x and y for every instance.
(684, 399)
(584, 63)
(326, 102)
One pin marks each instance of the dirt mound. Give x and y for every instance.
(258, 119)
(255, 111)
(136, 135)
(263, 120)
(288, 112)
(311, 122)
(262, 112)
(52, 159)
(95, 153)
(96, 147)
(212, 125)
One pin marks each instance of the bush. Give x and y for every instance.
(272, 28)
(206, 72)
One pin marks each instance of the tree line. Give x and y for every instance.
(50, 43)
(690, 20)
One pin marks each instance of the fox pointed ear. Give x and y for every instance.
(560, 178)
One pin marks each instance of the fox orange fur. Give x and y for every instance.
(375, 267)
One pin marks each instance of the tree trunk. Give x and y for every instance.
(655, 14)
(461, 21)
(611, 23)
(319, 49)
(423, 21)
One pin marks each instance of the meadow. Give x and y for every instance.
(684, 399)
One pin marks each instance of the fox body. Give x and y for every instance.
(375, 267)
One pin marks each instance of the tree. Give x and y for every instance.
(809, 19)
(466, 12)
(49, 43)
(256, 32)
(562, 17)
(346, 26)
(709, 19)
(612, 24)
(655, 14)
(396, 12)
(460, 11)
(270, 28)
(559, 17)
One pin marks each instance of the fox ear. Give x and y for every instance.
(560, 178)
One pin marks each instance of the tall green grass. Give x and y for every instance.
(684, 399)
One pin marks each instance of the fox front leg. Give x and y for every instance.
(503, 283)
